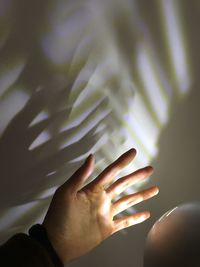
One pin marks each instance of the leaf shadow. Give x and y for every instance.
(26, 171)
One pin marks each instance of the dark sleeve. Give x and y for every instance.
(23, 251)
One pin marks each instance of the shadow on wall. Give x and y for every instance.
(177, 165)
(25, 171)
(29, 168)
(20, 46)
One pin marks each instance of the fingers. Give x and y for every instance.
(123, 183)
(76, 181)
(130, 200)
(128, 221)
(114, 169)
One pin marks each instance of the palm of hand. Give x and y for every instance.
(92, 211)
(80, 217)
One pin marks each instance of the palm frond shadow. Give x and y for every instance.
(25, 171)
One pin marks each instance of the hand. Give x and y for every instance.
(80, 217)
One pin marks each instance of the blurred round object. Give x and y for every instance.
(174, 240)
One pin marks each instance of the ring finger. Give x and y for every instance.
(130, 200)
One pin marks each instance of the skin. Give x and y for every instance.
(81, 217)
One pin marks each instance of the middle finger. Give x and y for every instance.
(123, 183)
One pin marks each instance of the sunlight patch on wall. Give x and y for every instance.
(176, 41)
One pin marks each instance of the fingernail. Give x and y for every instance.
(148, 215)
(156, 190)
(150, 168)
(132, 150)
(88, 158)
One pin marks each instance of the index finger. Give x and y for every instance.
(114, 169)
